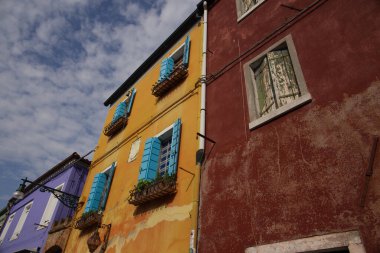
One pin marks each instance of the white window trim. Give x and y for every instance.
(125, 99)
(164, 131)
(6, 227)
(350, 239)
(250, 83)
(51, 199)
(182, 46)
(21, 221)
(245, 14)
(109, 167)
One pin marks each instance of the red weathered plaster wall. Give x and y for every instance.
(302, 174)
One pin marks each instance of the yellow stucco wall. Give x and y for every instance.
(164, 226)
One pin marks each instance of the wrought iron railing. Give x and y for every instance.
(154, 190)
(115, 126)
(179, 73)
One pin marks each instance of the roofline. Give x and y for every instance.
(73, 159)
(157, 54)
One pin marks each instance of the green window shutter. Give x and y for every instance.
(186, 52)
(167, 66)
(107, 187)
(149, 163)
(130, 101)
(176, 136)
(121, 110)
(96, 192)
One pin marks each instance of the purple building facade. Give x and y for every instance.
(30, 219)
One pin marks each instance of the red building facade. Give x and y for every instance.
(293, 100)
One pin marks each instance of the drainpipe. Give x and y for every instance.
(203, 84)
(194, 234)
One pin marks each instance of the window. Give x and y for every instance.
(161, 153)
(49, 209)
(100, 189)
(274, 82)
(173, 69)
(244, 7)
(158, 172)
(7, 225)
(345, 242)
(122, 112)
(21, 221)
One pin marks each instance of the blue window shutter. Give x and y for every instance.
(167, 66)
(130, 102)
(107, 186)
(97, 187)
(149, 163)
(121, 110)
(186, 52)
(176, 136)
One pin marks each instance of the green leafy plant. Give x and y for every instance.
(142, 185)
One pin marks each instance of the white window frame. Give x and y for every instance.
(350, 240)
(239, 9)
(255, 119)
(49, 209)
(163, 135)
(179, 51)
(109, 167)
(6, 227)
(21, 221)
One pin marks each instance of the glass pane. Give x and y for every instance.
(283, 77)
(264, 88)
(247, 4)
(164, 157)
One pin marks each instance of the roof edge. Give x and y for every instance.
(191, 20)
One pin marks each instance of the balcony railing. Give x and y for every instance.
(179, 73)
(115, 126)
(153, 190)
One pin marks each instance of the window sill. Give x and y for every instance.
(249, 12)
(279, 112)
(155, 190)
(115, 126)
(178, 74)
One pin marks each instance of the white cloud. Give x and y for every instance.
(59, 60)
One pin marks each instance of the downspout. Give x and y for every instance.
(202, 127)
(194, 235)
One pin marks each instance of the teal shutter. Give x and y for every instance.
(186, 52)
(121, 110)
(167, 66)
(130, 102)
(107, 187)
(96, 192)
(149, 163)
(176, 136)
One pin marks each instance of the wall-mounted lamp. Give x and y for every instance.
(65, 198)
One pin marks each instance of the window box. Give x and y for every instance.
(115, 126)
(179, 73)
(149, 191)
(88, 220)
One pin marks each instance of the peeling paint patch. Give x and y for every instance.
(177, 213)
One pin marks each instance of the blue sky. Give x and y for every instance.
(59, 61)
